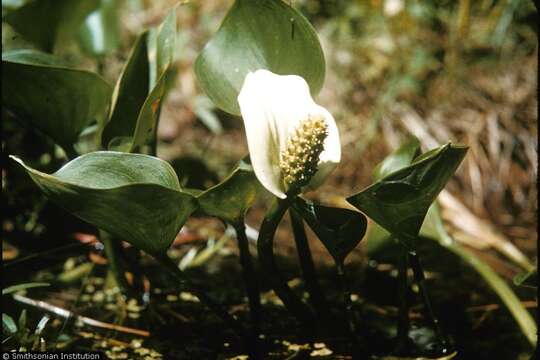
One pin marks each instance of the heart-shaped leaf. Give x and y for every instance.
(399, 201)
(135, 197)
(340, 230)
(258, 34)
(50, 22)
(378, 240)
(141, 89)
(99, 33)
(381, 245)
(230, 199)
(52, 98)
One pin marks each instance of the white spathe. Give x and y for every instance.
(272, 106)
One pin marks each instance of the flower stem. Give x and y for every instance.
(403, 314)
(248, 271)
(265, 250)
(306, 263)
(114, 250)
(421, 281)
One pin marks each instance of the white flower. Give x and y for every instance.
(292, 141)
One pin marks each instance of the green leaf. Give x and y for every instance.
(58, 101)
(99, 33)
(162, 42)
(135, 197)
(398, 159)
(142, 88)
(33, 57)
(15, 288)
(50, 22)
(258, 34)
(230, 199)
(399, 201)
(340, 230)
(379, 243)
(129, 95)
(148, 118)
(527, 279)
(8, 324)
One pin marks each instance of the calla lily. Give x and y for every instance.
(292, 141)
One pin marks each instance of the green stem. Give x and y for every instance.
(306, 262)
(113, 250)
(265, 244)
(418, 271)
(403, 314)
(203, 297)
(250, 278)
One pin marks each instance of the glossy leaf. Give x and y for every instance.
(258, 34)
(50, 22)
(230, 199)
(340, 230)
(141, 89)
(379, 243)
(52, 98)
(135, 197)
(399, 201)
(99, 33)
